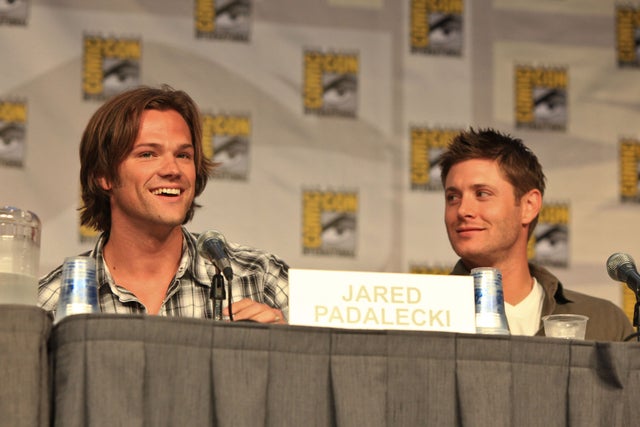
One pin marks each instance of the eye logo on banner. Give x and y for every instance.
(223, 19)
(436, 27)
(629, 170)
(429, 269)
(14, 12)
(426, 146)
(329, 222)
(549, 244)
(628, 36)
(541, 97)
(225, 140)
(13, 126)
(330, 83)
(110, 66)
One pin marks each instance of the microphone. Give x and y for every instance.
(211, 245)
(622, 268)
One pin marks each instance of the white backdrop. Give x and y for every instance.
(290, 151)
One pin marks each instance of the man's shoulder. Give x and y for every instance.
(52, 277)
(583, 299)
(250, 255)
(55, 275)
(607, 321)
(49, 288)
(574, 298)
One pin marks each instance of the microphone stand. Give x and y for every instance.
(229, 300)
(217, 294)
(636, 318)
(636, 314)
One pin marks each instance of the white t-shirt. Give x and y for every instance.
(524, 317)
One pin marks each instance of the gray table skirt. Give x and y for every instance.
(24, 371)
(151, 371)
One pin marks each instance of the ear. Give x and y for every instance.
(104, 183)
(531, 204)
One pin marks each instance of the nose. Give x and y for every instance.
(467, 207)
(170, 166)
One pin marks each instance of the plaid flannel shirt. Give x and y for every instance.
(258, 275)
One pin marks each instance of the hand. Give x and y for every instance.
(248, 309)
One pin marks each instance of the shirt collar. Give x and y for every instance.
(554, 293)
(200, 269)
(191, 264)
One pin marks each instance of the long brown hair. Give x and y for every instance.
(109, 137)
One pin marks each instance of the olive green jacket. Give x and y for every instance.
(607, 322)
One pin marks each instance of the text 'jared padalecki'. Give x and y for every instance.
(382, 305)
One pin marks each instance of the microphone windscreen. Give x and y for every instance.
(616, 261)
(211, 245)
(205, 239)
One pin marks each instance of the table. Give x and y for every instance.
(24, 369)
(150, 371)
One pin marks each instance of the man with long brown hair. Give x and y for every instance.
(142, 166)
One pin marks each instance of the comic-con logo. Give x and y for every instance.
(14, 12)
(225, 140)
(541, 97)
(223, 19)
(329, 222)
(13, 124)
(627, 36)
(417, 268)
(629, 300)
(426, 147)
(629, 170)
(549, 244)
(88, 234)
(436, 27)
(330, 83)
(110, 65)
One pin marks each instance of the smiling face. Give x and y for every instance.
(485, 223)
(156, 180)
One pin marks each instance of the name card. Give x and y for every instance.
(367, 300)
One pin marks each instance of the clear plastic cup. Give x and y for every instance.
(567, 326)
(79, 289)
